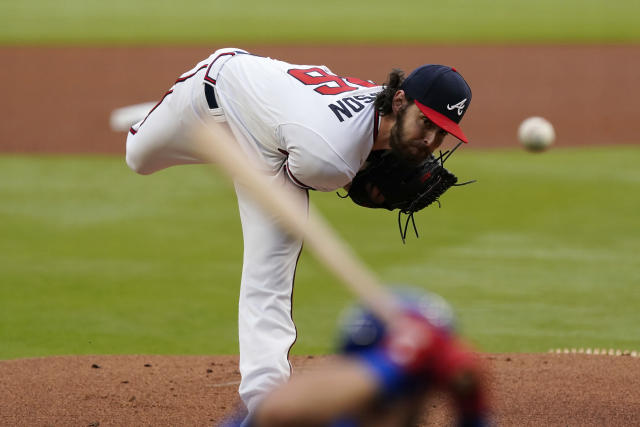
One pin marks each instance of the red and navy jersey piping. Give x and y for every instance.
(295, 180)
(293, 285)
(134, 131)
(180, 80)
(206, 76)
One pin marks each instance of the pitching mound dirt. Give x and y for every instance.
(527, 390)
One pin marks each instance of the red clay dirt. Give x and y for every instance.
(527, 390)
(58, 100)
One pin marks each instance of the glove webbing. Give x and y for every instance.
(434, 192)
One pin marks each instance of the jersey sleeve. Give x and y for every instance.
(311, 162)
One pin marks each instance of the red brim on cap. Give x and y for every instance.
(443, 122)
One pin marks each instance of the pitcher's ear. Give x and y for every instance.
(399, 100)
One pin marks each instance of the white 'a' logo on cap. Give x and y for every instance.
(459, 106)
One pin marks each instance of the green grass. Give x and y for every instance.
(542, 252)
(330, 21)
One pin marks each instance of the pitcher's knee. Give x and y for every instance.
(137, 160)
(136, 165)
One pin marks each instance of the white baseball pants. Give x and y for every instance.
(265, 326)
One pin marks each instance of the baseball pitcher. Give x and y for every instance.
(310, 129)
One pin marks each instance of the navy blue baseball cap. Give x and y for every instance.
(441, 94)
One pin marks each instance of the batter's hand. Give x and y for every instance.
(415, 345)
(441, 360)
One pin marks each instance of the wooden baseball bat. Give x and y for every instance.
(217, 145)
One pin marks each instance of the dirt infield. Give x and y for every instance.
(528, 390)
(58, 100)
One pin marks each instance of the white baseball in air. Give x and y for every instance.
(536, 133)
(123, 118)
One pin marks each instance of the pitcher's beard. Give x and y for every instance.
(411, 150)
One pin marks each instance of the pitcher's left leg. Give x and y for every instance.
(266, 328)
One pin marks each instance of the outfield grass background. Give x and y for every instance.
(542, 252)
(329, 21)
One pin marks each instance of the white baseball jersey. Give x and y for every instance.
(310, 128)
(323, 123)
